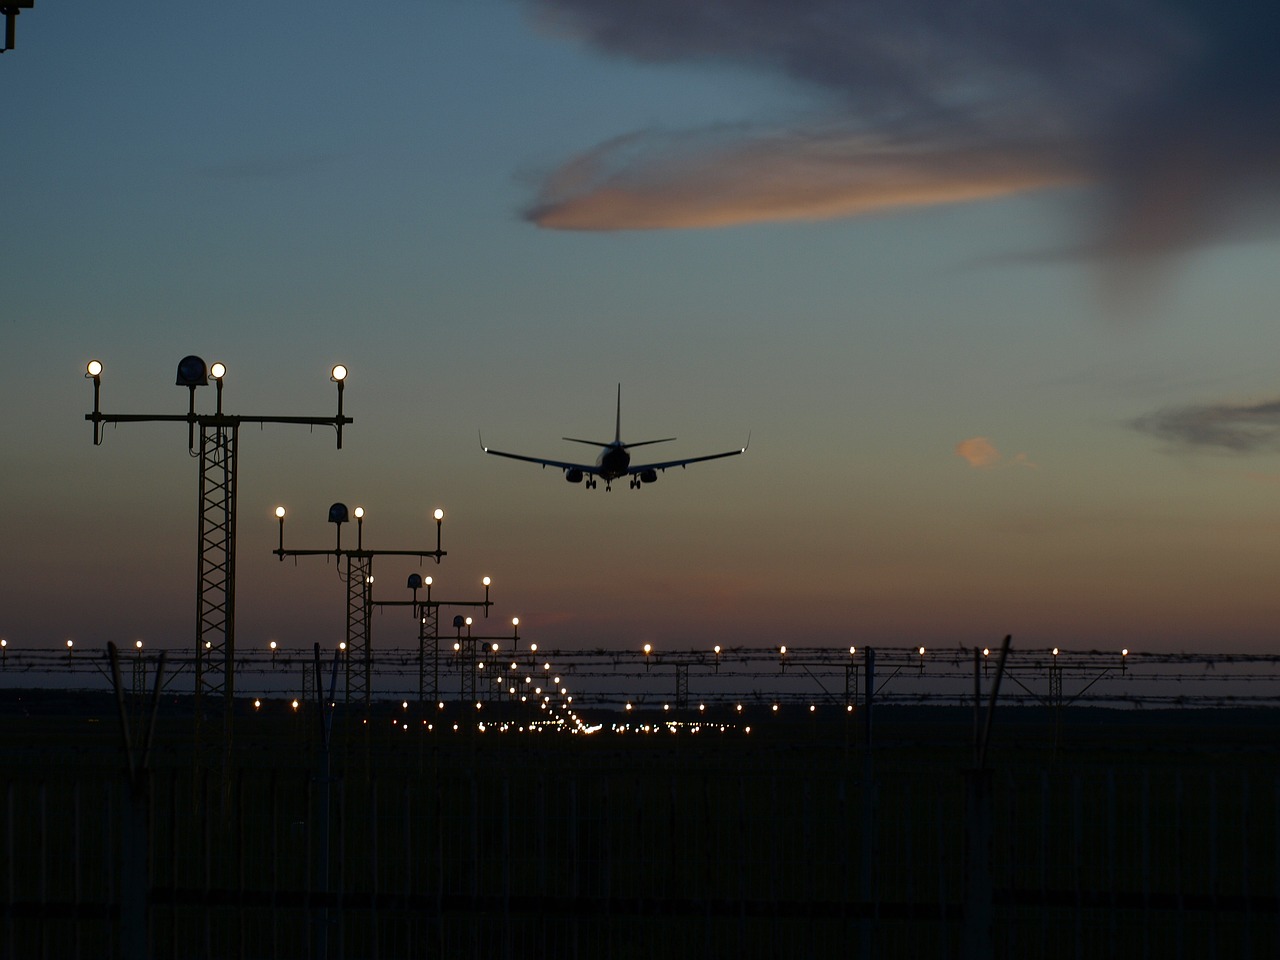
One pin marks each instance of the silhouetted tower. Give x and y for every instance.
(216, 557)
(358, 574)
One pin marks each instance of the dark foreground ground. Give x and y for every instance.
(1096, 833)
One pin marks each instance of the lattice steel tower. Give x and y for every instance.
(216, 520)
(359, 577)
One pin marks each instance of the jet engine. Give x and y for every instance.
(573, 476)
(649, 476)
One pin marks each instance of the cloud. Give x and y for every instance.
(1165, 106)
(1239, 428)
(980, 453)
(652, 182)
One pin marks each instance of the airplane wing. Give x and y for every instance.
(642, 467)
(588, 469)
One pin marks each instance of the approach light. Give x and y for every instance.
(986, 651)
(783, 650)
(468, 621)
(359, 513)
(192, 372)
(648, 649)
(138, 644)
(439, 514)
(852, 651)
(1055, 651)
(272, 645)
(1124, 652)
(533, 648)
(257, 704)
(93, 369)
(280, 513)
(342, 645)
(70, 644)
(486, 581)
(921, 651)
(338, 373)
(427, 581)
(515, 621)
(218, 370)
(493, 647)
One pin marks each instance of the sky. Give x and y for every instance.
(989, 286)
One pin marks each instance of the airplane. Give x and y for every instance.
(614, 460)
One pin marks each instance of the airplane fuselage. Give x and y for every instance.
(613, 462)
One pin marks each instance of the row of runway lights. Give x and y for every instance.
(579, 726)
(647, 649)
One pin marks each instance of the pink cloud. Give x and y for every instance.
(980, 453)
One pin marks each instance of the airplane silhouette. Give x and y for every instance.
(614, 460)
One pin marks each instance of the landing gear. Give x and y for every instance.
(635, 484)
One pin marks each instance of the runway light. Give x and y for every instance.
(342, 645)
(359, 512)
(338, 373)
(218, 370)
(486, 581)
(1055, 651)
(439, 515)
(257, 704)
(70, 644)
(813, 708)
(716, 649)
(93, 369)
(138, 644)
(280, 512)
(533, 648)
(295, 705)
(922, 651)
(852, 651)
(986, 651)
(1124, 652)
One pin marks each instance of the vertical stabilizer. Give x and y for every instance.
(617, 430)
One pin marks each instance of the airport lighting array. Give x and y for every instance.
(216, 447)
(358, 574)
(426, 613)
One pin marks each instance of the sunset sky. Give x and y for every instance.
(991, 286)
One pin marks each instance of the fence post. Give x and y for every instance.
(977, 865)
